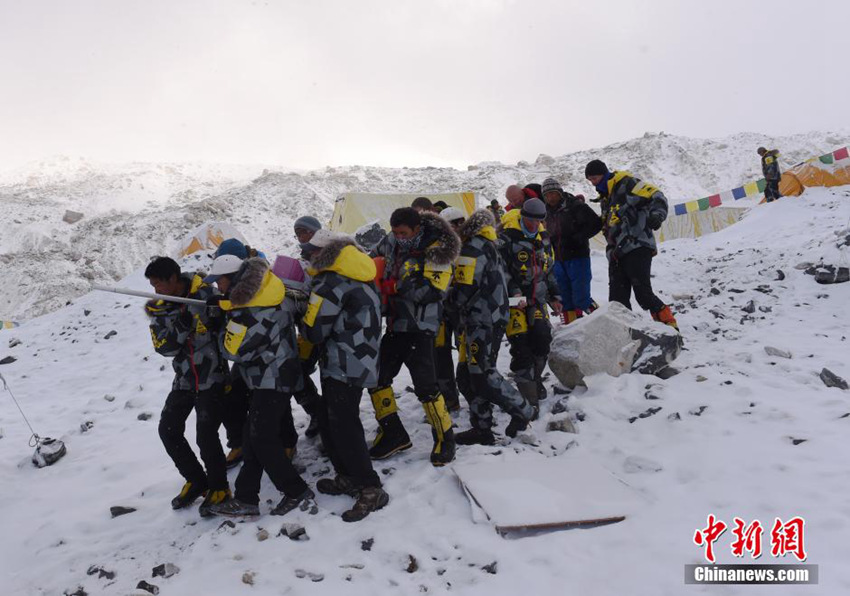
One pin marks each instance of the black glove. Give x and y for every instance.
(655, 220)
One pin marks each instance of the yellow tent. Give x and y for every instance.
(354, 210)
(207, 237)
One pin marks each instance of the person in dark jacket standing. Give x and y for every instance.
(527, 258)
(343, 321)
(631, 212)
(772, 175)
(414, 274)
(571, 223)
(479, 299)
(259, 339)
(191, 338)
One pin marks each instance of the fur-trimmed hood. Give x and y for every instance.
(442, 245)
(256, 285)
(475, 223)
(345, 257)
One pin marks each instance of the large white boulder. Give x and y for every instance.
(612, 340)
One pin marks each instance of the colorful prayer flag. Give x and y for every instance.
(739, 193)
(841, 154)
(714, 201)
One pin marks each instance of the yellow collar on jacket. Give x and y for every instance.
(271, 293)
(615, 180)
(488, 232)
(351, 263)
(512, 222)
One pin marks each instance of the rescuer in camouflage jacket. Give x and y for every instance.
(479, 295)
(188, 336)
(343, 321)
(415, 268)
(260, 339)
(631, 211)
(528, 260)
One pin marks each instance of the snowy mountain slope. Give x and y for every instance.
(756, 437)
(138, 210)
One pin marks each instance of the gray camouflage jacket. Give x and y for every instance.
(770, 165)
(626, 214)
(528, 263)
(422, 275)
(259, 333)
(189, 338)
(479, 291)
(343, 318)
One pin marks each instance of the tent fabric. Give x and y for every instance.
(689, 225)
(207, 237)
(354, 210)
(831, 169)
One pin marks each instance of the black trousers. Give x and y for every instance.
(263, 449)
(209, 406)
(632, 272)
(342, 433)
(771, 190)
(415, 350)
(308, 397)
(235, 411)
(528, 347)
(445, 366)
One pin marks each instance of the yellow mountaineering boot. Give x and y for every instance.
(234, 458)
(188, 494)
(392, 436)
(214, 497)
(444, 438)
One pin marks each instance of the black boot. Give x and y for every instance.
(306, 501)
(443, 451)
(189, 494)
(392, 436)
(370, 499)
(312, 428)
(515, 425)
(475, 436)
(339, 485)
(234, 458)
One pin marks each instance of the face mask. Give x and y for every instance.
(528, 234)
(409, 243)
(602, 187)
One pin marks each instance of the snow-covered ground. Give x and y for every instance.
(756, 436)
(137, 210)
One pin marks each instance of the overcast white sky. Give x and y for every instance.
(440, 82)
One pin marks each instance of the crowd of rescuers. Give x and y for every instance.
(440, 281)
